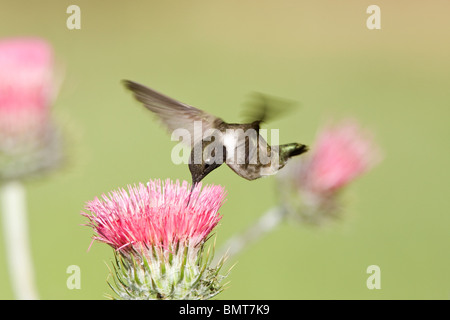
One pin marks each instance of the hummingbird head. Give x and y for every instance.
(200, 165)
(201, 170)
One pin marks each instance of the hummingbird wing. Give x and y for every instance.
(174, 114)
(262, 107)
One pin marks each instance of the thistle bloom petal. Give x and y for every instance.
(163, 226)
(28, 141)
(156, 215)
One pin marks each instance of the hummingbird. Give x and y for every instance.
(239, 145)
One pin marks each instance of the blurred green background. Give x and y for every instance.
(212, 54)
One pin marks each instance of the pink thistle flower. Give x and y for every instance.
(156, 215)
(163, 226)
(342, 152)
(28, 142)
(26, 84)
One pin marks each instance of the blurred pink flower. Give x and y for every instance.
(341, 153)
(156, 215)
(26, 84)
(29, 142)
(310, 187)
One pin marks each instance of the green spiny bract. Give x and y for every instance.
(178, 273)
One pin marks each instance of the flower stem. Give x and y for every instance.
(13, 208)
(265, 224)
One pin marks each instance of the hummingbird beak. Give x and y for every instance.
(194, 184)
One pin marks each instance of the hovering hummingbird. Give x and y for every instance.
(240, 146)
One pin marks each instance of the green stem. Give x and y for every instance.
(265, 224)
(13, 208)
